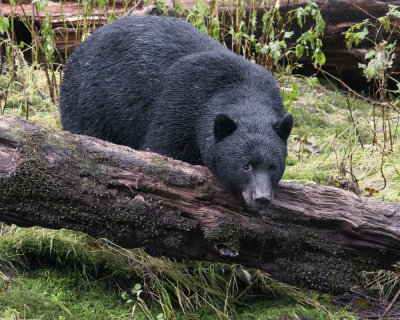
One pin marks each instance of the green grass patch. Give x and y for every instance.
(91, 279)
(28, 95)
(62, 294)
(328, 143)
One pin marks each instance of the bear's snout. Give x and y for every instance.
(259, 193)
(263, 201)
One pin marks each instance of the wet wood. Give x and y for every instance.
(313, 236)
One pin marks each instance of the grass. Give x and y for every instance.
(61, 294)
(73, 276)
(324, 146)
(29, 88)
(46, 274)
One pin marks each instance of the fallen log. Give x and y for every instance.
(317, 237)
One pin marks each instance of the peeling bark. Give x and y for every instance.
(318, 237)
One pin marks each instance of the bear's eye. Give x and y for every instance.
(247, 167)
(272, 167)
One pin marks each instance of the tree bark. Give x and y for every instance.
(317, 237)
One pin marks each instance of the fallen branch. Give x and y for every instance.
(318, 237)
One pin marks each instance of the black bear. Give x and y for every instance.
(159, 83)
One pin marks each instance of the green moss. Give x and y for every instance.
(91, 187)
(321, 245)
(209, 288)
(286, 309)
(304, 118)
(162, 168)
(66, 294)
(12, 134)
(228, 233)
(62, 294)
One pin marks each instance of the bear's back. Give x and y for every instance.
(111, 79)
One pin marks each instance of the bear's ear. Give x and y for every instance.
(223, 127)
(284, 126)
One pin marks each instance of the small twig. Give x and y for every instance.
(384, 152)
(354, 92)
(128, 13)
(391, 304)
(382, 174)
(354, 123)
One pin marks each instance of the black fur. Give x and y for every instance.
(160, 83)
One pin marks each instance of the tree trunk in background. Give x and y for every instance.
(339, 16)
(317, 237)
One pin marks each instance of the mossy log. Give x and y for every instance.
(312, 236)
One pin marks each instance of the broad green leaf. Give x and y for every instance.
(288, 34)
(4, 24)
(319, 57)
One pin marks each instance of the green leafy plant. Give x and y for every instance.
(4, 24)
(290, 94)
(275, 48)
(47, 33)
(277, 42)
(377, 69)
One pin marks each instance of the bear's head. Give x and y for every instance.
(249, 158)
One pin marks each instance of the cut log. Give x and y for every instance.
(312, 236)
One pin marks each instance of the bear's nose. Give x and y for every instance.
(263, 200)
